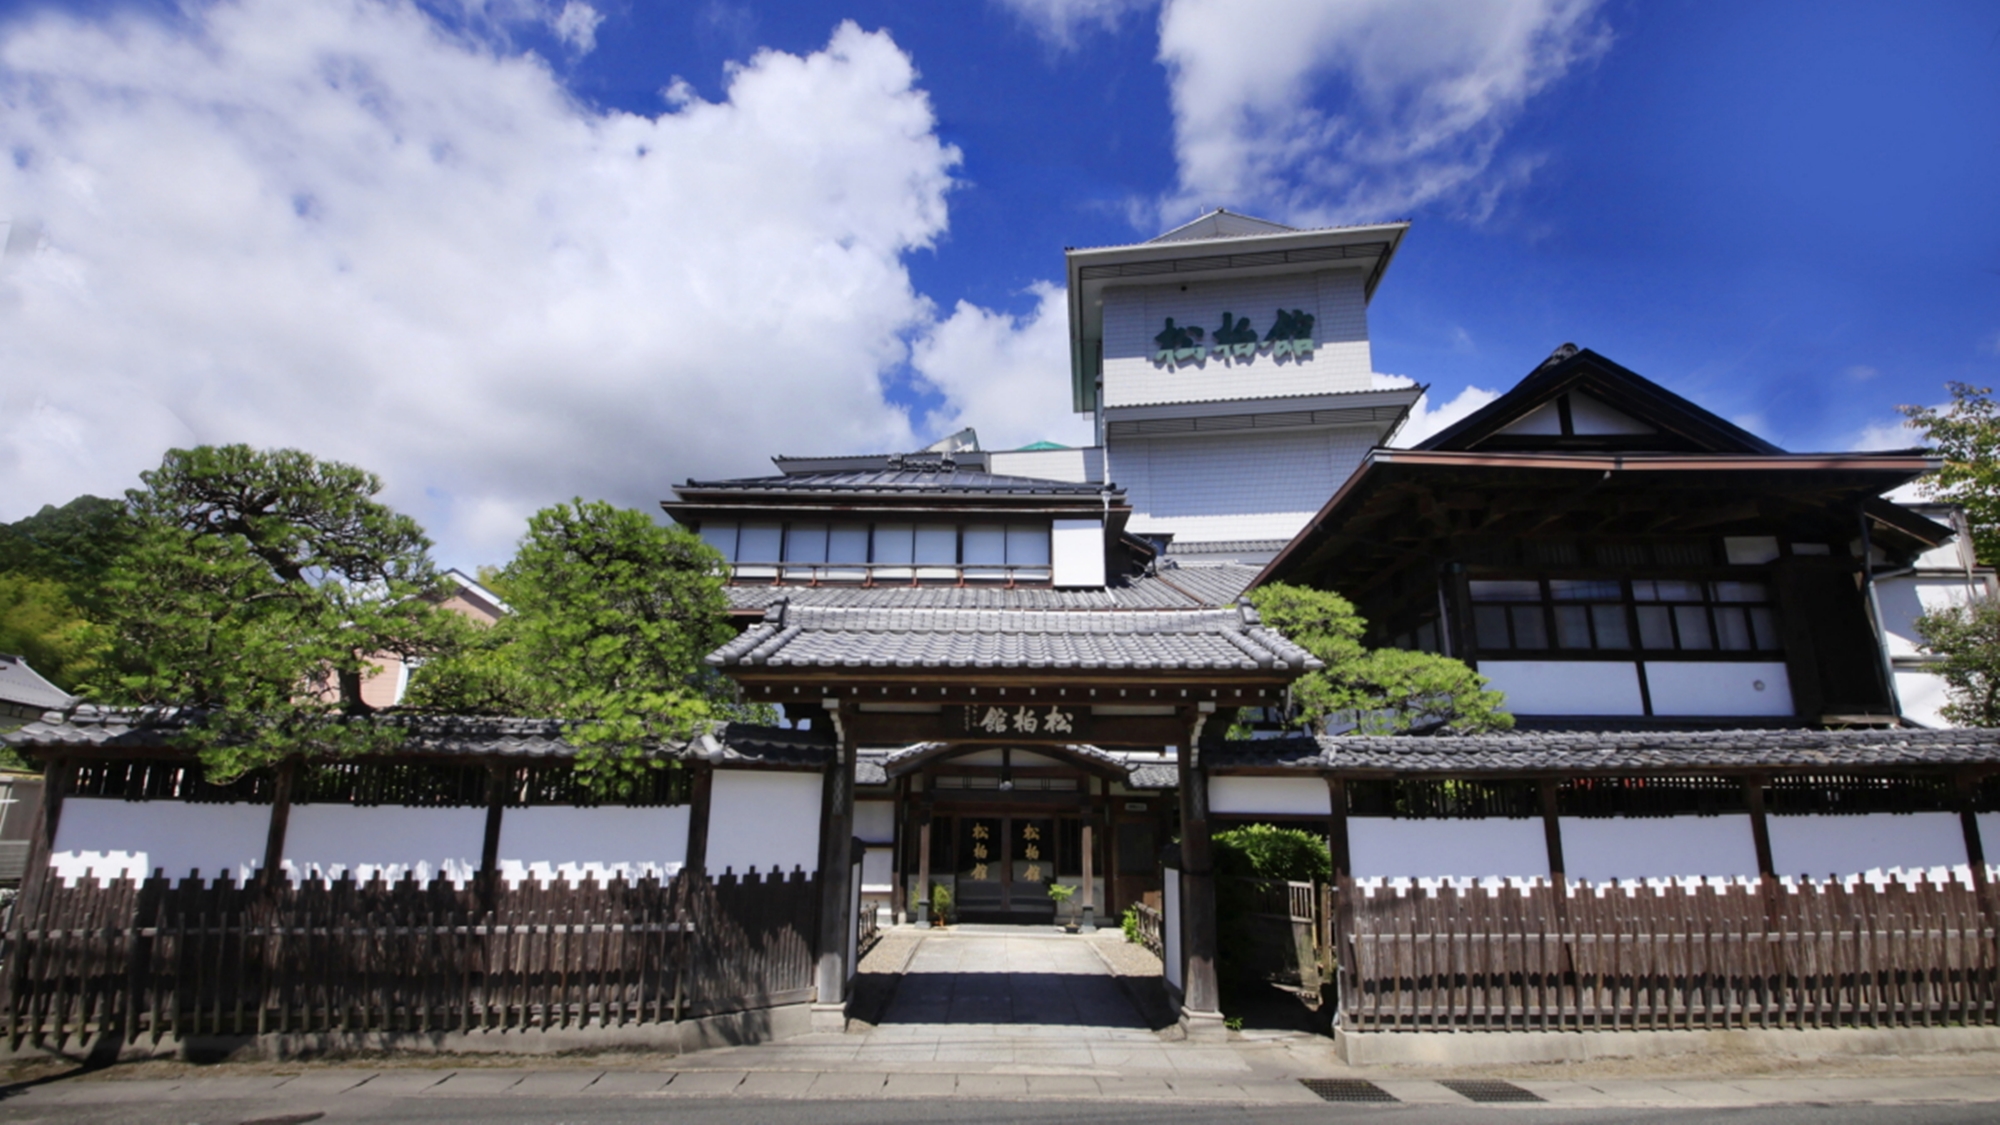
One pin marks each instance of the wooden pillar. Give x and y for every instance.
(1968, 822)
(1087, 913)
(498, 778)
(57, 777)
(1552, 830)
(836, 922)
(1114, 907)
(1201, 999)
(281, 818)
(1336, 828)
(701, 802)
(924, 860)
(1760, 827)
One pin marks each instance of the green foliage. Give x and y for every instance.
(1381, 691)
(1129, 924)
(613, 614)
(1265, 851)
(1966, 434)
(40, 624)
(1969, 640)
(481, 672)
(74, 546)
(940, 902)
(256, 587)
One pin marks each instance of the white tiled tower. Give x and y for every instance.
(1228, 435)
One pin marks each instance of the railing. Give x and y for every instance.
(868, 932)
(1150, 929)
(199, 958)
(1738, 955)
(1271, 927)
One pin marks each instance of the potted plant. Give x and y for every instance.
(1062, 894)
(940, 904)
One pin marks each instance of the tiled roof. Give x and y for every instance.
(925, 479)
(1167, 591)
(1624, 750)
(1157, 775)
(22, 686)
(916, 751)
(819, 637)
(440, 735)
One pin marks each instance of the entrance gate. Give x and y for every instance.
(1005, 865)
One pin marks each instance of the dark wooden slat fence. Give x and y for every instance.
(202, 958)
(1735, 956)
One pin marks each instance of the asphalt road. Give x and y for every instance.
(500, 1111)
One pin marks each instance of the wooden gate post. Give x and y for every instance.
(1201, 999)
(836, 918)
(924, 860)
(701, 798)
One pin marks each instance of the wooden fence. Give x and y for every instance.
(1757, 955)
(1277, 923)
(199, 958)
(1151, 933)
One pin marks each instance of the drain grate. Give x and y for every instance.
(1347, 1090)
(1487, 1090)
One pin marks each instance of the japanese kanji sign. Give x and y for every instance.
(1291, 334)
(1061, 722)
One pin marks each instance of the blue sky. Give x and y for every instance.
(509, 251)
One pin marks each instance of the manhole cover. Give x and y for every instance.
(1487, 1090)
(1347, 1090)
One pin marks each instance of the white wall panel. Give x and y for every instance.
(1719, 688)
(1923, 696)
(1422, 849)
(1235, 486)
(764, 819)
(878, 871)
(1600, 848)
(1989, 836)
(1170, 924)
(1566, 687)
(1905, 599)
(1134, 315)
(875, 821)
(1849, 845)
(116, 839)
(1076, 552)
(392, 841)
(1299, 795)
(550, 841)
(1076, 465)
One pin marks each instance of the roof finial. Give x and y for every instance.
(1562, 352)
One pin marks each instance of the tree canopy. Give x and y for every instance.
(1968, 638)
(257, 587)
(1966, 433)
(613, 614)
(1373, 691)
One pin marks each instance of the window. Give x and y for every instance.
(893, 551)
(1662, 614)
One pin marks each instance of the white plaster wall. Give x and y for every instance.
(1425, 849)
(1205, 487)
(1849, 845)
(1719, 688)
(1989, 835)
(1077, 465)
(1598, 849)
(1923, 696)
(1170, 924)
(329, 841)
(1303, 795)
(875, 821)
(1134, 314)
(764, 819)
(878, 871)
(1076, 552)
(1905, 599)
(560, 841)
(116, 839)
(1566, 687)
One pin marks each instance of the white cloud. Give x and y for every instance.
(1429, 417)
(339, 227)
(1059, 22)
(1424, 91)
(1894, 434)
(1861, 372)
(576, 25)
(1007, 377)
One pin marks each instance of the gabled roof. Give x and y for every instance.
(22, 686)
(1229, 640)
(1578, 400)
(927, 479)
(1220, 223)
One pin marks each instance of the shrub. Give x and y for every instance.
(1265, 851)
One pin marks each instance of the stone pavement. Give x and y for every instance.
(977, 1016)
